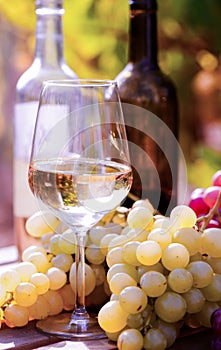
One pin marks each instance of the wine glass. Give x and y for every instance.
(80, 170)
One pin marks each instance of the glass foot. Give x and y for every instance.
(62, 326)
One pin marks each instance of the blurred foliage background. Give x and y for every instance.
(96, 41)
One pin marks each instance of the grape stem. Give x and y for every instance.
(214, 211)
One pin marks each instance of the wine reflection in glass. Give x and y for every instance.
(80, 170)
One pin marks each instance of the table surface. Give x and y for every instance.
(29, 338)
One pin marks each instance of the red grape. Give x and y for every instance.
(199, 206)
(216, 322)
(216, 343)
(213, 223)
(216, 179)
(197, 202)
(197, 192)
(211, 194)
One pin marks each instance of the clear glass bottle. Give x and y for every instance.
(48, 63)
(143, 84)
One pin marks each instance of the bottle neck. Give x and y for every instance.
(143, 46)
(49, 33)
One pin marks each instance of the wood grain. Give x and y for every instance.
(29, 338)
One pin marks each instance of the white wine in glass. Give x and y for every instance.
(80, 170)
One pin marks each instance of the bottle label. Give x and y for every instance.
(24, 122)
(24, 203)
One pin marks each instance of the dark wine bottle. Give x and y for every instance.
(151, 112)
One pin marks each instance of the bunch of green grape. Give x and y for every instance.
(149, 275)
(164, 273)
(42, 284)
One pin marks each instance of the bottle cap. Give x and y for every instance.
(143, 5)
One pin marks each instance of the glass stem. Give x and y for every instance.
(80, 314)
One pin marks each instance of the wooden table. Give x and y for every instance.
(29, 338)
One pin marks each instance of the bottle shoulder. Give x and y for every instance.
(30, 82)
(151, 90)
(139, 77)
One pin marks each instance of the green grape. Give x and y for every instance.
(40, 309)
(54, 245)
(130, 270)
(40, 223)
(140, 217)
(161, 222)
(96, 234)
(149, 253)
(41, 282)
(170, 307)
(113, 227)
(99, 273)
(215, 263)
(55, 302)
(144, 203)
(113, 336)
(144, 268)
(62, 261)
(111, 317)
(194, 300)
(105, 242)
(45, 240)
(159, 216)
(16, 315)
(202, 273)
(25, 270)
(9, 279)
(161, 236)
(174, 256)
(130, 339)
(180, 280)
(25, 294)
(114, 256)
(153, 283)
(136, 234)
(182, 216)
(212, 292)
(57, 278)
(135, 321)
(211, 242)
(40, 261)
(154, 339)
(117, 241)
(169, 330)
(94, 255)
(114, 297)
(68, 297)
(1, 316)
(127, 229)
(204, 315)
(119, 281)
(90, 279)
(32, 249)
(133, 299)
(129, 253)
(3, 295)
(65, 243)
(190, 238)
